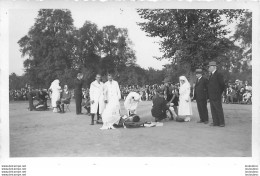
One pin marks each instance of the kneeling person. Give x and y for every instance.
(131, 102)
(159, 106)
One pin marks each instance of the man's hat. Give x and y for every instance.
(212, 63)
(199, 71)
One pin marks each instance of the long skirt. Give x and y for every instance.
(54, 98)
(110, 115)
(185, 108)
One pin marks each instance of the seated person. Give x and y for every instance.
(231, 95)
(65, 99)
(240, 94)
(41, 96)
(174, 102)
(131, 102)
(86, 102)
(246, 96)
(159, 106)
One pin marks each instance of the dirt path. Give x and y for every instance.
(47, 134)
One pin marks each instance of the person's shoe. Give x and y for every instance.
(200, 121)
(222, 125)
(212, 124)
(206, 122)
(92, 123)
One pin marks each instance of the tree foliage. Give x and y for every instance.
(54, 48)
(17, 82)
(243, 35)
(191, 37)
(48, 45)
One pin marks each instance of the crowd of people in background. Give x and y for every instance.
(18, 95)
(147, 92)
(238, 92)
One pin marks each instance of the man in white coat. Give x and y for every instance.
(96, 93)
(111, 113)
(131, 102)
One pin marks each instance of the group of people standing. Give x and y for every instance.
(104, 99)
(205, 89)
(211, 89)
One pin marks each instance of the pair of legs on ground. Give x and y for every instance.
(203, 111)
(217, 113)
(60, 105)
(98, 117)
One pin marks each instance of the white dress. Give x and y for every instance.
(55, 95)
(185, 108)
(111, 113)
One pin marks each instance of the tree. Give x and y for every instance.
(117, 52)
(48, 46)
(154, 76)
(243, 34)
(55, 49)
(190, 37)
(17, 82)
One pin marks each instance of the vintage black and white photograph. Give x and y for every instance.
(130, 81)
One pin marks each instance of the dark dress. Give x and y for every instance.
(216, 86)
(78, 94)
(159, 108)
(200, 95)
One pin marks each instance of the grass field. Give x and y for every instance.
(48, 134)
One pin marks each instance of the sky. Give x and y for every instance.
(146, 48)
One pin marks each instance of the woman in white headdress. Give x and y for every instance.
(185, 109)
(55, 94)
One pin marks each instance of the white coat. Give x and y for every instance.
(131, 103)
(96, 93)
(112, 91)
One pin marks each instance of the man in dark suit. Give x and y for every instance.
(216, 86)
(78, 92)
(200, 95)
